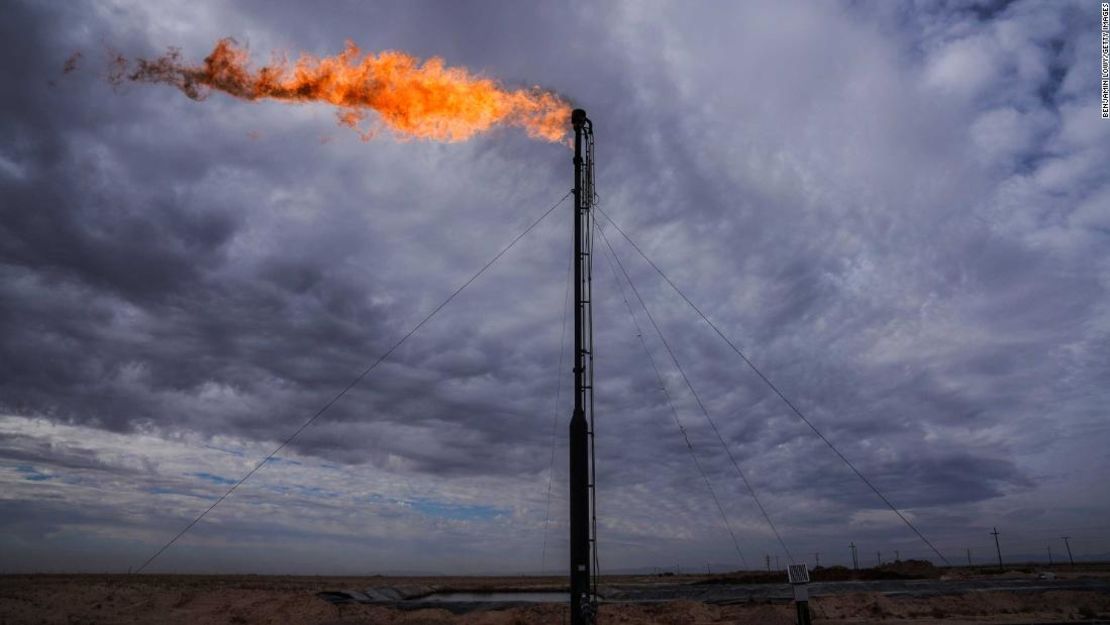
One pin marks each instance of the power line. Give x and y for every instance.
(997, 547)
(1056, 530)
(355, 381)
(674, 413)
(772, 386)
(697, 398)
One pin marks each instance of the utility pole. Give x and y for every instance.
(768, 559)
(878, 558)
(582, 609)
(897, 556)
(855, 558)
(969, 556)
(997, 548)
(1049, 555)
(1066, 544)
(817, 560)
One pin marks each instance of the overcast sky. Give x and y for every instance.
(901, 211)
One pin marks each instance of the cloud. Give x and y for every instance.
(896, 210)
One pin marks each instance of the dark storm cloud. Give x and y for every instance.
(902, 227)
(166, 321)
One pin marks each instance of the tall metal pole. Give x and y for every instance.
(1068, 545)
(581, 606)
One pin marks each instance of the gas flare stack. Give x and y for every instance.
(583, 504)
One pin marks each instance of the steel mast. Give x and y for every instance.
(582, 604)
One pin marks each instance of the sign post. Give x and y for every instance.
(798, 576)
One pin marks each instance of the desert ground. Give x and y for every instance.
(290, 600)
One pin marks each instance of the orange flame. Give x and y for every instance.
(413, 99)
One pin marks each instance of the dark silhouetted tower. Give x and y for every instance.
(582, 608)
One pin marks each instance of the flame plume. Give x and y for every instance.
(414, 99)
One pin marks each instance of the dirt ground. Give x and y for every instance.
(243, 600)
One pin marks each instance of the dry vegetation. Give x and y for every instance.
(250, 599)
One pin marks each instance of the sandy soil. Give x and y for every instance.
(243, 600)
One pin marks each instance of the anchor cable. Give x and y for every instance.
(797, 412)
(697, 399)
(674, 412)
(312, 419)
(555, 416)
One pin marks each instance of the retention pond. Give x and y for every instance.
(458, 602)
(497, 597)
